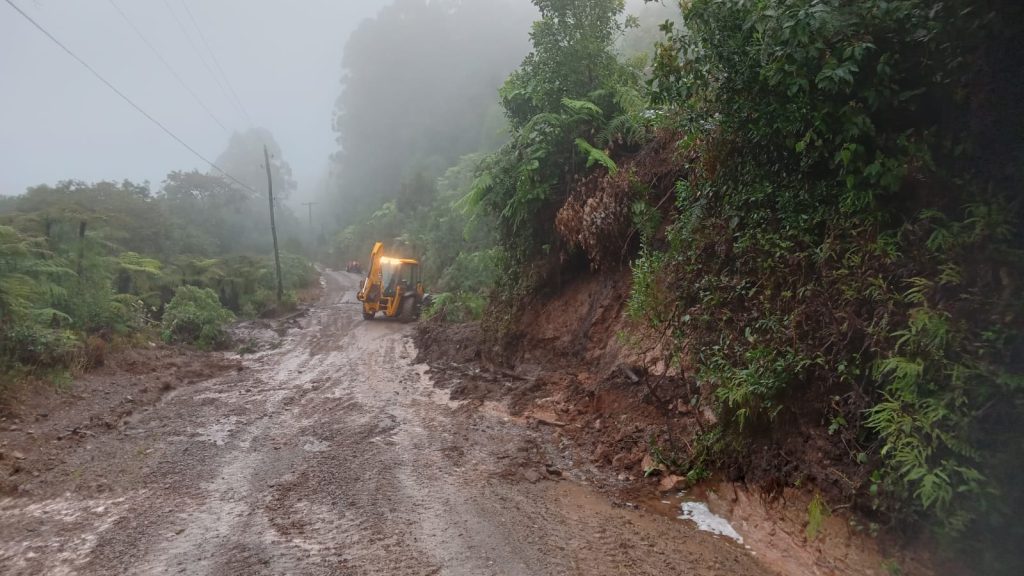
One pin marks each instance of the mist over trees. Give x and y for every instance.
(243, 159)
(193, 212)
(418, 91)
(643, 26)
(84, 265)
(230, 218)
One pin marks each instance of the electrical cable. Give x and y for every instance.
(202, 59)
(216, 62)
(167, 65)
(126, 98)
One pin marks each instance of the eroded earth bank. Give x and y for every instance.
(328, 450)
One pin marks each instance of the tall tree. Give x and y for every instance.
(243, 159)
(418, 93)
(559, 97)
(571, 57)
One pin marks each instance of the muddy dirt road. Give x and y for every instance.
(331, 452)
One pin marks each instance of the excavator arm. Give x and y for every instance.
(372, 285)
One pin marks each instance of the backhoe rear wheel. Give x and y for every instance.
(407, 313)
(369, 315)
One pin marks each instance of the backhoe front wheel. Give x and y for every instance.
(369, 315)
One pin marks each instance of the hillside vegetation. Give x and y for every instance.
(843, 255)
(84, 267)
(818, 202)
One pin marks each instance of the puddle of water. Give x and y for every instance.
(698, 513)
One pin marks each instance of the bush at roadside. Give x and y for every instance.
(456, 307)
(195, 316)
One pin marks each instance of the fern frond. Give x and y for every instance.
(596, 156)
(135, 263)
(478, 191)
(630, 100)
(623, 129)
(583, 107)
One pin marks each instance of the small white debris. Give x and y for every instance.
(698, 513)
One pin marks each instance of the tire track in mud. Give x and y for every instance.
(286, 502)
(334, 454)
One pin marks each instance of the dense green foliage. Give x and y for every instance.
(569, 102)
(31, 332)
(246, 285)
(195, 316)
(844, 256)
(86, 265)
(456, 307)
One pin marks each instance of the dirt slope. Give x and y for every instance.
(329, 452)
(573, 357)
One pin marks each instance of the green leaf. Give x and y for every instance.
(595, 156)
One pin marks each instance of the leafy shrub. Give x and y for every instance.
(296, 273)
(456, 307)
(248, 285)
(568, 90)
(817, 512)
(127, 314)
(195, 316)
(30, 345)
(473, 272)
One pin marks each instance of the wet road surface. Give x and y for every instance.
(332, 453)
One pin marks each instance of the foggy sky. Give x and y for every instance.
(282, 57)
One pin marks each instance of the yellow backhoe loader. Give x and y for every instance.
(392, 287)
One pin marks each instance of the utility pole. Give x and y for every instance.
(310, 205)
(81, 247)
(273, 226)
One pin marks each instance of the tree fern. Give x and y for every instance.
(595, 156)
(583, 108)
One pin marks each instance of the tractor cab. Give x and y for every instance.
(400, 274)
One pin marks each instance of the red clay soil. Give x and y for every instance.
(567, 367)
(566, 358)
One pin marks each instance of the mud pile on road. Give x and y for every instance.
(566, 363)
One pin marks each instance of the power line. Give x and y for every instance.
(167, 65)
(126, 98)
(216, 62)
(202, 59)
